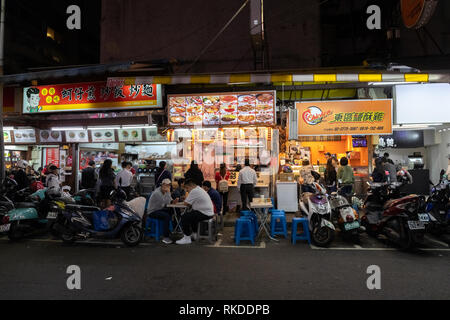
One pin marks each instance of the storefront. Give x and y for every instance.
(226, 128)
(340, 128)
(424, 108)
(75, 123)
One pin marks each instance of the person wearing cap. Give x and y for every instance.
(20, 175)
(89, 176)
(157, 207)
(52, 182)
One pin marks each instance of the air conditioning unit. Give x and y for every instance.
(293, 124)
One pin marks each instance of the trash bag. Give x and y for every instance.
(102, 220)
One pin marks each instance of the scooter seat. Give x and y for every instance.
(389, 203)
(81, 207)
(26, 205)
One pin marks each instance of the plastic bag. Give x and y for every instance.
(102, 219)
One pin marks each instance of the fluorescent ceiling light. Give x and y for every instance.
(137, 126)
(387, 83)
(103, 128)
(67, 128)
(415, 126)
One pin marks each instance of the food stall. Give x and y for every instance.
(341, 128)
(225, 128)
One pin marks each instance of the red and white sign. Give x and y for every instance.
(90, 96)
(52, 156)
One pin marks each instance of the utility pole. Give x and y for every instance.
(2, 141)
(258, 35)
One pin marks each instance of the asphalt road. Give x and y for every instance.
(36, 269)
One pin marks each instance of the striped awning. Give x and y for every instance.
(280, 78)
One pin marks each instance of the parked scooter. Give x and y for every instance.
(345, 217)
(77, 222)
(317, 208)
(438, 207)
(398, 218)
(36, 216)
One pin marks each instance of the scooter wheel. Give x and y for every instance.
(322, 236)
(131, 235)
(68, 238)
(14, 233)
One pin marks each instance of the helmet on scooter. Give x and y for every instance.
(10, 184)
(118, 195)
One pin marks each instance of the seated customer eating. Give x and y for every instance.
(201, 208)
(157, 207)
(214, 195)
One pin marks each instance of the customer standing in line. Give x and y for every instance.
(194, 173)
(89, 176)
(345, 177)
(222, 177)
(378, 174)
(107, 183)
(162, 173)
(330, 176)
(124, 178)
(246, 184)
(390, 167)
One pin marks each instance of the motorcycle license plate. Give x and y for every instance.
(52, 215)
(5, 227)
(416, 225)
(351, 225)
(424, 217)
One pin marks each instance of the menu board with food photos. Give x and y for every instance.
(50, 136)
(7, 136)
(77, 136)
(103, 135)
(152, 134)
(25, 136)
(241, 108)
(128, 135)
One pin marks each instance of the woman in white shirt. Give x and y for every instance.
(201, 209)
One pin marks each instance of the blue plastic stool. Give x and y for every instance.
(253, 217)
(300, 236)
(244, 230)
(156, 228)
(278, 225)
(277, 212)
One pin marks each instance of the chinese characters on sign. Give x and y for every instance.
(90, 96)
(350, 117)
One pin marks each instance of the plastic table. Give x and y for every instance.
(176, 206)
(262, 211)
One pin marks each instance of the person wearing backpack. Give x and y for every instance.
(222, 177)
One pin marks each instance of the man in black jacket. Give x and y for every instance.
(20, 176)
(89, 176)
